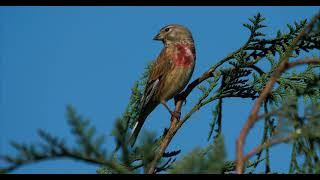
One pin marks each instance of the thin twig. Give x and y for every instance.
(270, 143)
(304, 61)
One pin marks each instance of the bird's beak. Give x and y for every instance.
(158, 37)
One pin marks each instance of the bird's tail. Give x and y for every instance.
(139, 123)
(135, 132)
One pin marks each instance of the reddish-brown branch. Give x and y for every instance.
(304, 61)
(269, 144)
(284, 65)
(167, 139)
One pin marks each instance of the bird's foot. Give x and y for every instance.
(176, 115)
(173, 113)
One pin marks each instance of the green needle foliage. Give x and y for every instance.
(240, 77)
(199, 161)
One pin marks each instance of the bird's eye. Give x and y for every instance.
(166, 30)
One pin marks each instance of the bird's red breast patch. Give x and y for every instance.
(184, 55)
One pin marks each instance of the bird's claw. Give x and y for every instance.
(176, 115)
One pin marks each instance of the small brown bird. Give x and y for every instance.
(169, 74)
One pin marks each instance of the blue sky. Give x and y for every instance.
(90, 57)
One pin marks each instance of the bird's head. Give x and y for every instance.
(174, 33)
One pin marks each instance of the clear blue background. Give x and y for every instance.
(90, 57)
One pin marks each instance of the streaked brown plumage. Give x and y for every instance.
(169, 74)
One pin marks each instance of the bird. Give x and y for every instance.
(169, 74)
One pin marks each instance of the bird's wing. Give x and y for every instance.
(156, 77)
(158, 71)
